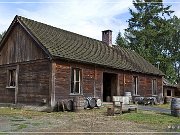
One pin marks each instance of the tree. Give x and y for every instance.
(121, 41)
(173, 48)
(2, 34)
(148, 33)
(146, 26)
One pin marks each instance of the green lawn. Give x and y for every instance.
(165, 106)
(151, 118)
(21, 119)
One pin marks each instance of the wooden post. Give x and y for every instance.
(110, 111)
(121, 107)
(16, 89)
(136, 109)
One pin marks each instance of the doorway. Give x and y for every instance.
(109, 86)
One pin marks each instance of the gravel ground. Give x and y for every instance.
(83, 121)
(88, 121)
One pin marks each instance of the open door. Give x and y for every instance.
(109, 86)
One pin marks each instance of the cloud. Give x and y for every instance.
(85, 17)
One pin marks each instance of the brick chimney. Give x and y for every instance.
(107, 37)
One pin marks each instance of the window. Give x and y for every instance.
(12, 78)
(168, 92)
(154, 87)
(75, 81)
(135, 78)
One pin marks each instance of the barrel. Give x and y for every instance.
(175, 107)
(91, 102)
(128, 94)
(108, 99)
(78, 103)
(86, 104)
(98, 102)
(68, 104)
(167, 99)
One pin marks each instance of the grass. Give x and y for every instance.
(21, 126)
(151, 118)
(165, 106)
(18, 117)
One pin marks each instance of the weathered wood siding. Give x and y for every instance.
(92, 81)
(33, 82)
(20, 47)
(62, 81)
(7, 95)
(144, 83)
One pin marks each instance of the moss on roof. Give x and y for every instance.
(72, 46)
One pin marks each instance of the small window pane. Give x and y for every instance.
(72, 87)
(154, 86)
(75, 80)
(77, 87)
(77, 75)
(12, 78)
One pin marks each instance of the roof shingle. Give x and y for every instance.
(72, 46)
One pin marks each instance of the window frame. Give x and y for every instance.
(11, 73)
(135, 84)
(154, 86)
(75, 81)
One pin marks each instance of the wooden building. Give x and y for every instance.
(169, 91)
(40, 63)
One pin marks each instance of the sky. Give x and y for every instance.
(85, 17)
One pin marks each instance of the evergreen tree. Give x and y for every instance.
(2, 34)
(173, 48)
(145, 27)
(121, 41)
(149, 33)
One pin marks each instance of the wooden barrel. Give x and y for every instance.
(108, 99)
(68, 104)
(86, 104)
(78, 103)
(98, 102)
(175, 107)
(167, 100)
(128, 94)
(92, 102)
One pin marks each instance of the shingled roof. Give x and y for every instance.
(67, 45)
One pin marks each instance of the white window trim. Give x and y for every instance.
(154, 85)
(72, 92)
(135, 78)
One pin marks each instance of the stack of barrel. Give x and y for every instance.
(91, 102)
(78, 103)
(65, 105)
(175, 107)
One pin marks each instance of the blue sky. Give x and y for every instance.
(85, 17)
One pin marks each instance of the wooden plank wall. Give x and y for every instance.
(33, 82)
(92, 81)
(20, 47)
(7, 95)
(91, 78)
